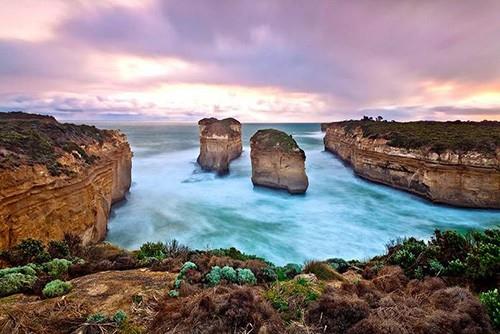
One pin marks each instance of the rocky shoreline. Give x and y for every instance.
(467, 179)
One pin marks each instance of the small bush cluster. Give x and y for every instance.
(491, 301)
(229, 274)
(56, 288)
(17, 279)
(57, 267)
(235, 254)
(162, 250)
(288, 271)
(474, 256)
(185, 269)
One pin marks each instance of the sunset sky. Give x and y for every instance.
(256, 60)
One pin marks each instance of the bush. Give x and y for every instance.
(97, 318)
(187, 266)
(483, 260)
(235, 254)
(15, 282)
(246, 276)
(58, 249)
(290, 298)
(173, 293)
(56, 288)
(214, 276)
(491, 301)
(57, 267)
(267, 274)
(289, 271)
(119, 317)
(27, 251)
(323, 271)
(25, 270)
(152, 250)
(229, 274)
(340, 265)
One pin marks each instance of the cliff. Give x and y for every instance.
(57, 178)
(454, 163)
(220, 142)
(277, 161)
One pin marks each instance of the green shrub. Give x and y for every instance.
(185, 267)
(291, 298)
(235, 254)
(152, 250)
(56, 288)
(58, 249)
(229, 274)
(15, 282)
(268, 274)
(491, 301)
(214, 276)
(28, 251)
(97, 318)
(246, 276)
(289, 271)
(119, 317)
(435, 267)
(57, 267)
(173, 293)
(25, 270)
(340, 265)
(455, 268)
(483, 260)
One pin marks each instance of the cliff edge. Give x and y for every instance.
(278, 162)
(455, 163)
(57, 178)
(220, 142)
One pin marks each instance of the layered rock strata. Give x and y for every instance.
(220, 142)
(467, 179)
(278, 162)
(67, 183)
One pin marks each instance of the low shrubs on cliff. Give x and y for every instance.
(56, 288)
(17, 279)
(57, 267)
(474, 256)
(161, 250)
(27, 251)
(491, 301)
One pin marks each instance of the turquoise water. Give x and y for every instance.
(340, 216)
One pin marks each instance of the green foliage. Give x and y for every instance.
(119, 317)
(15, 282)
(58, 249)
(29, 250)
(438, 136)
(187, 266)
(268, 274)
(152, 250)
(229, 274)
(246, 276)
(475, 256)
(25, 270)
(272, 138)
(491, 301)
(291, 298)
(97, 318)
(289, 271)
(57, 267)
(214, 276)
(340, 265)
(56, 288)
(173, 293)
(235, 254)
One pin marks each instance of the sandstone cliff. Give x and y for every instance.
(57, 178)
(277, 161)
(467, 178)
(220, 142)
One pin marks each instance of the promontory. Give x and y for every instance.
(57, 178)
(220, 142)
(456, 163)
(277, 161)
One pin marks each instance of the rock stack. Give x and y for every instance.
(278, 162)
(220, 142)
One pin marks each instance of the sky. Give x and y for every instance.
(256, 60)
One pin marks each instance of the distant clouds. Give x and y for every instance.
(256, 60)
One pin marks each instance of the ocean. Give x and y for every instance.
(341, 215)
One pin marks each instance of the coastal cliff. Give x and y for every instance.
(455, 163)
(220, 142)
(277, 161)
(57, 178)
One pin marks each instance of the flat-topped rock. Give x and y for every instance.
(220, 142)
(277, 161)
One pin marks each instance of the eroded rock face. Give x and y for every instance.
(220, 142)
(71, 189)
(277, 161)
(469, 179)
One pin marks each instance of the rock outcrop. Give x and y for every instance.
(277, 161)
(220, 142)
(57, 178)
(468, 179)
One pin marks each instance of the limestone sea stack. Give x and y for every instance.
(57, 178)
(220, 142)
(456, 163)
(277, 161)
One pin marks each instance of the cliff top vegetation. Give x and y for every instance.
(36, 139)
(274, 139)
(456, 136)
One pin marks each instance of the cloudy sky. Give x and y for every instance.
(256, 60)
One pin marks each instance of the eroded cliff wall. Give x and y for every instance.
(469, 179)
(35, 203)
